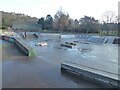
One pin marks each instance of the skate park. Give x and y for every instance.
(92, 57)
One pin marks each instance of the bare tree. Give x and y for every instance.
(108, 18)
(74, 25)
(61, 20)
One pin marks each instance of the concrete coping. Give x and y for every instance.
(93, 70)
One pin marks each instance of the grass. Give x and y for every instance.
(110, 33)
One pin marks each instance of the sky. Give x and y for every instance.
(75, 8)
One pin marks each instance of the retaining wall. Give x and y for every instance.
(87, 74)
(27, 50)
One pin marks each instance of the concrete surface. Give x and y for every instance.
(19, 71)
(44, 69)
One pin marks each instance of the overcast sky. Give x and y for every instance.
(75, 8)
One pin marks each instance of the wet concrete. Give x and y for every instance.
(42, 71)
(103, 57)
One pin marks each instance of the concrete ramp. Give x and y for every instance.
(50, 36)
(101, 65)
(67, 36)
(32, 36)
(27, 35)
(27, 50)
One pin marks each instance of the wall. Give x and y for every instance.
(27, 50)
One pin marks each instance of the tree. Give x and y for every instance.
(108, 19)
(73, 25)
(41, 21)
(48, 22)
(76, 25)
(61, 20)
(88, 24)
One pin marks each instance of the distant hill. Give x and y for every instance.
(19, 21)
